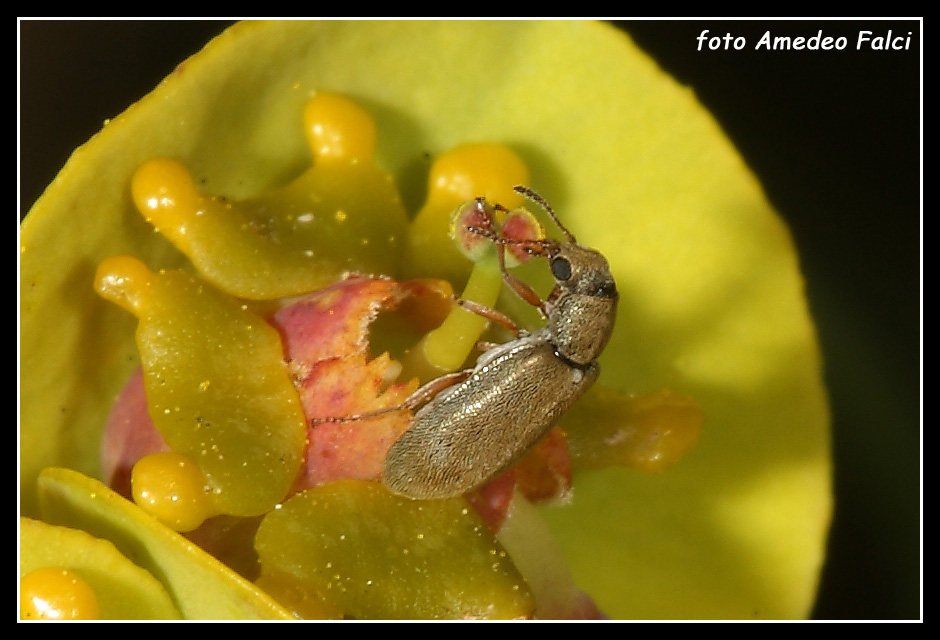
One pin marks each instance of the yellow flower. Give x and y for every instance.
(711, 295)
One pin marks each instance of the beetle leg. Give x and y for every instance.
(522, 290)
(430, 389)
(534, 247)
(491, 314)
(423, 394)
(486, 345)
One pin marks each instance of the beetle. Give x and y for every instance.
(476, 423)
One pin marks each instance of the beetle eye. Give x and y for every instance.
(561, 268)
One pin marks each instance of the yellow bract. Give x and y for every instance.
(711, 305)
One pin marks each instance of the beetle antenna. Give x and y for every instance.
(536, 198)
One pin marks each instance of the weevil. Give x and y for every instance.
(474, 424)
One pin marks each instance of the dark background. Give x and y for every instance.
(834, 137)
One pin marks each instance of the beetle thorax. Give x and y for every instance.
(580, 326)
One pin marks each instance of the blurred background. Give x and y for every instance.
(835, 137)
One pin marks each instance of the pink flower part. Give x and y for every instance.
(129, 435)
(326, 344)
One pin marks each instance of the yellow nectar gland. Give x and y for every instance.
(336, 127)
(342, 214)
(470, 171)
(170, 487)
(477, 170)
(54, 593)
